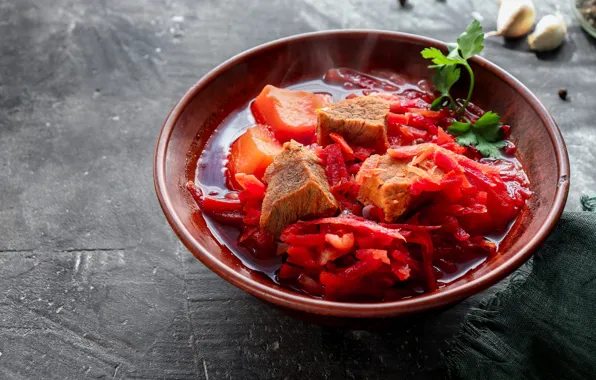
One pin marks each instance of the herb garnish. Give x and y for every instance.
(469, 43)
(486, 133)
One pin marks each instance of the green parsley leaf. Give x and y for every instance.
(446, 77)
(467, 139)
(489, 126)
(489, 149)
(453, 49)
(485, 134)
(471, 41)
(438, 58)
(468, 44)
(487, 120)
(458, 128)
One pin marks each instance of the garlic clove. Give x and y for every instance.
(515, 18)
(549, 34)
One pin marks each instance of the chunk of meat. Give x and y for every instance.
(289, 113)
(297, 189)
(387, 185)
(361, 121)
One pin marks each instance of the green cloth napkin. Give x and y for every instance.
(543, 325)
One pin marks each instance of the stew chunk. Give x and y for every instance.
(297, 189)
(253, 152)
(289, 113)
(361, 121)
(387, 184)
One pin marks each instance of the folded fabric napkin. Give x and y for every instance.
(543, 325)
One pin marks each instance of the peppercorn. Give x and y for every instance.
(563, 93)
(403, 2)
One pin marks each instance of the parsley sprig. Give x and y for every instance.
(469, 43)
(486, 133)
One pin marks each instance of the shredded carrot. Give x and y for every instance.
(420, 172)
(339, 139)
(366, 168)
(423, 156)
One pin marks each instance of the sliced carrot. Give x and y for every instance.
(252, 153)
(412, 133)
(366, 168)
(395, 118)
(347, 149)
(251, 185)
(426, 113)
(290, 114)
(395, 121)
(408, 151)
(443, 137)
(397, 107)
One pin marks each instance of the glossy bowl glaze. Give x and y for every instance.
(283, 62)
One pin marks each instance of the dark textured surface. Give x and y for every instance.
(94, 283)
(542, 325)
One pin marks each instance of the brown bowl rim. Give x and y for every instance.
(345, 309)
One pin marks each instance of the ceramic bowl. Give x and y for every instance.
(235, 82)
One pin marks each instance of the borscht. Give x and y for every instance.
(363, 187)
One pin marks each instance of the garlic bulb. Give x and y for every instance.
(549, 34)
(515, 18)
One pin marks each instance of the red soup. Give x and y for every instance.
(351, 188)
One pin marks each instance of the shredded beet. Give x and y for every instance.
(359, 224)
(362, 153)
(260, 242)
(336, 169)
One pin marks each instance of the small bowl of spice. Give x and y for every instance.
(585, 10)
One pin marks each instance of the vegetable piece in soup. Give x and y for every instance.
(290, 114)
(253, 152)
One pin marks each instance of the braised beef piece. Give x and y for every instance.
(297, 189)
(388, 186)
(361, 121)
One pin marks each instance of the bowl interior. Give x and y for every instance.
(236, 82)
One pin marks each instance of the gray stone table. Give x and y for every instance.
(94, 284)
